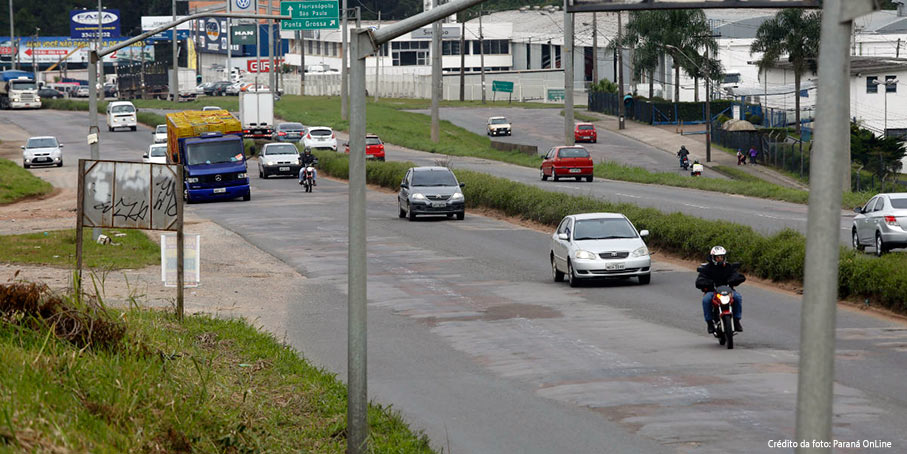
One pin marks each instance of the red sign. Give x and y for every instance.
(59, 52)
(265, 65)
(6, 50)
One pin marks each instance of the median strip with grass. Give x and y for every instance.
(778, 257)
(17, 183)
(58, 248)
(147, 118)
(82, 378)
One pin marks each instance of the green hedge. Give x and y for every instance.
(777, 257)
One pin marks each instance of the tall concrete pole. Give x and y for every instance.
(12, 37)
(621, 110)
(300, 38)
(174, 78)
(595, 48)
(257, 47)
(482, 52)
(567, 56)
(95, 147)
(100, 45)
(377, 60)
(344, 76)
(272, 50)
(230, 43)
(435, 78)
(462, 61)
(357, 343)
(820, 280)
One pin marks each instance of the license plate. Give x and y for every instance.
(439, 204)
(576, 170)
(220, 190)
(284, 169)
(41, 159)
(614, 266)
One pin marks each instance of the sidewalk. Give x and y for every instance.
(665, 138)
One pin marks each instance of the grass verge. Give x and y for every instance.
(58, 248)
(149, 383)
(147, 118)
(778, 257)
(17, 183)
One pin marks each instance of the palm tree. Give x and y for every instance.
(674, 32)
(792, 32)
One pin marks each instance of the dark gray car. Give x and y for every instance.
(431, 191)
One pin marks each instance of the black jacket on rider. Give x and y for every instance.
(308, 159)
(683, 152)
(712, 276)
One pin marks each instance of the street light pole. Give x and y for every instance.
(12, 37)
(482, 52)
(435, 78)
(708, 103)
(344, 70)
(174, 78)
(100, 45)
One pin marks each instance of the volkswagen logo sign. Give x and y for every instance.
(217, 178)
(243, 4)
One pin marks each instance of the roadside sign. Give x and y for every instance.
(129, 195)
(502, 86)
(447, 32)
(310, 15)
(556, 94)
(84, 24)
(243, 34)
(191, 260)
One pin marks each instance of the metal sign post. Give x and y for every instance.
(567, 57)
(435, 79)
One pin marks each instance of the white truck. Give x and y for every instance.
(256, 112)
(18, 91)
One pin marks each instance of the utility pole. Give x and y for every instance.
(100, 45)
(567, 56)
(344, 74)
(175, 77)
(257, 48)
(302, 63)
(621, 110)
(377, 61)
(897, 50)
(272, 70)
(482, 51)
(462, 61)
(435, 78)
(229, 69)
(34, 63)
(595, 47)
(12, 38)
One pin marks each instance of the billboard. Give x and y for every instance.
(151, 22)
(50, 49)
(83, 24)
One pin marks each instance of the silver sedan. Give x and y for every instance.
(879, 223)
(599, 245)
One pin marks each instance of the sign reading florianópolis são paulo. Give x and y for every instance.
(310, 15)
(84, 24)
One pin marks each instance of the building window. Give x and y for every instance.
(317, 48)
(334, 49)
(308, 48)
(871, 87)
(891, 87)
(546, 56)
(410, 58)
(450, 48)
(557, 56)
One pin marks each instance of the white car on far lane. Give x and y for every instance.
(160, 134)
(157, 154)
(321, 137)
(598, 246)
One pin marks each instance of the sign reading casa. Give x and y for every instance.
(84, 24)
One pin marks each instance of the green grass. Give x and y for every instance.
(203, 385)
(227, 102)
(777, 257)
(17, 183)
(582, 117)
(146, 118)
(58, 248)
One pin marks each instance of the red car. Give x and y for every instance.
(585, 132)
(567, 162)
(374, 147)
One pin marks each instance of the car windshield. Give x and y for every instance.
(499, 121)
(290, 126)
(157, 152)
(161, 129)
(372, 141)
(280, 149)
(24, 85)
(122, 109)
(214, 152)
(434, 178)
(49, 142)
(320, 132)
(586, 127)
(603, 229)
(573, 153)
(899, 204)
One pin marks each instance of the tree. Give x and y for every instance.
(879, 155)
(605, 86)
(792, 32)
(684, 34)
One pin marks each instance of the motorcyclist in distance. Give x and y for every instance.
(683, 153)
(308, 159)
(716, 273)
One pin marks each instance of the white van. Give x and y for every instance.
(121, 114)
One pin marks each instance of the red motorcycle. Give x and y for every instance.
(723, 315)
(308, 178)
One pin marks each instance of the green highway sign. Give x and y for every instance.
(310, 15)
(556, 94)
(502, 86)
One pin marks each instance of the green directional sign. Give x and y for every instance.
(310, 15)
(502, 86)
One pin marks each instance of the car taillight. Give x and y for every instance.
(245, 131)
(891, 220)
(281, 133)
(308, 136)
(332, 135)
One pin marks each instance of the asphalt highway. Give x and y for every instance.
(471, 340)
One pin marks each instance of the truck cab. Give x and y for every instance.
(18, 90)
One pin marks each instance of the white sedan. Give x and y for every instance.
(321, 137)
(157, 154)
(597, 246)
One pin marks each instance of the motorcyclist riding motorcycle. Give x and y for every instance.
(716, 273)
(308, 159)
(683, 155)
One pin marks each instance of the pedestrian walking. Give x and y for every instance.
(741, 158)
(752, 155)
